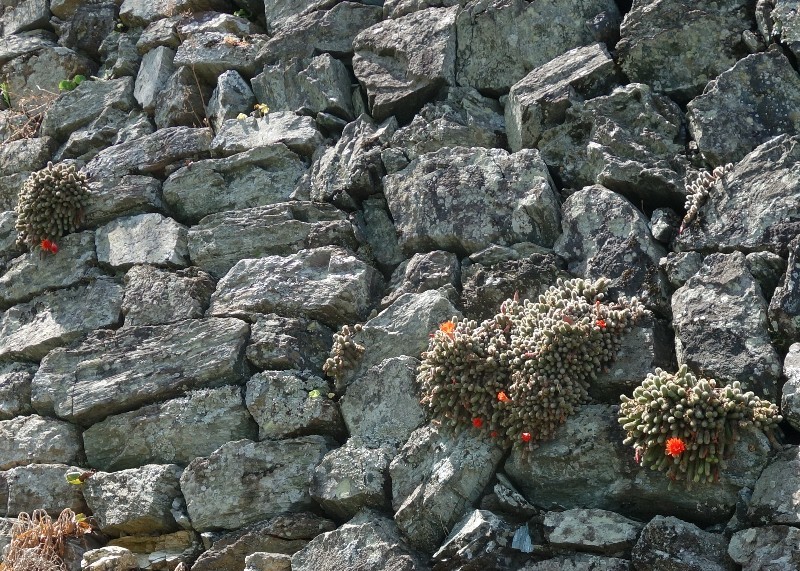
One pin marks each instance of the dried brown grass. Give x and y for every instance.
(38, 543)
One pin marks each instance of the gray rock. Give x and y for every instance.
(593, 530)
(678, 267)
(181, 100)
(15, 45)
(209, 54)
(352, 169)
(243, 481)
(720, 321)
(139, 13)
(87, 28)
(768, 270)
(143, 239)
(604, 235)
(116, 371)
(669, 543)
(664, 224)
(403, 62)
(486, 285)
(10, 187)
(762, 86)
(773, 502)
(403, 328)
(38, 440)
(255, 177)
(676, 48)
(26, 15)
(286, 404)
(154, 72)
(279, 343)
(371, 402)
(380, 233)
(480, 540)
(596, 142)
(40, 486)
(277, 11)
(319, 31)
(261, 561)
(351, 478)
(579, 562)
(30, 330)
(127, 196)
(109, 557)
(119, 54)
(150, 155)
(111, 127)
(36, 272)
(278, 87)
(790, 399)
(280, 536)
(367, 542)
(25, 155)
(327, 284)
(784, 308)
(325, 84)
(540, 100)
(211, 21)
(499, 42)
(398, 8)
(298, 133)
(15, 389)
(423, 272)
(463, 118)
(771, 547)
(436, 478)
(173, 432)
(163, 32)
(784, 28)
(135, 501)
(163, 552)
(155, 297)
(492, 197)
(231, 97)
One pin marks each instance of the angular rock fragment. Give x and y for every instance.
(769, 547)
(773, 500)
(38, 440)
(31, 73)
(598, 531)
(261, 561)
(25, 155)
(500, 42)
(243, 481)
(139, 13)
(117, 371)
(87, 28)
(23, 16)
(231, 97)
(15, 389)
(421, 273)
(181, 100)
(255, 177)
(403, 62)
(297, 132)
(155, 297)
(128, 196)
(631, 141)
(161, 552)
(785, 27)
(209, 54)
(134, 501)
(463, 199)
(173, 432)
(539, 101)
(380, 233)
(325, 84)
(762, 87)
(720, 321)
(327, 284)
(480, 540)
(368, 541)
(29, 330)
(436, 478)
(579, 562)
(109, 557)
(790, 399)
(669, 543)
(784, 308)
(144, 239)
(40, 486)
(279, 343)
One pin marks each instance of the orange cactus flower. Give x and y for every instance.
(477, 422)
(448, 328)
(503, 397)
(675, 447)
(526, 436)
(601, 323)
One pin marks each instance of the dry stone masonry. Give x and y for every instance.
(215, 304)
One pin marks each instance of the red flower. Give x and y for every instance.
(477, 422)
(526, 436)
(493, 434)
(49, 246)
(675, 447)
(601, 323)
(502, 396)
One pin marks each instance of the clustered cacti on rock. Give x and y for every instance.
(345, 353)
(687, 426)
(51, 204)
(520, 374)
(697, 192)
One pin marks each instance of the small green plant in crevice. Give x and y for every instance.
(50, 205)
(687, 426)
(5, 93)
(243, 13)
(520, 374)
(70, 84)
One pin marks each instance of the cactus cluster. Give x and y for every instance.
(697, 192)
(51, 203)
(687, 426)
(520, 374)
(345, 353)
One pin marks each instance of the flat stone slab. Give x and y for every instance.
(327, 284)
(15, 389)
(40, 486)
(244, 481)
(29, 330)
(117, 371)
(298, 132)
(154, 296)
(35, 439)
(211, 53)
(144, 239)
(599, 531)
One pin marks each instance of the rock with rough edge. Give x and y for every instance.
(423, 272)
(232, 96)
(139, 13)
(579, 562)
(463, 199)
(297, 132)
(784, 307)
(162, 552)
(144, 239)
(40, 486)
(154, 72)
(327, 284)
(771, 547)
(774, 500)
(403, 62)
(790, 397)
(669, 543)
(127, 196)
(243, 481)
(209, 54)
(762, 87)
(38, 440)
(109, 557)
(280, 343)
(154, 296)
(173, 432)
(598, 531)
(15, 389)
(481, 540)
(117, 371)
(134, 501)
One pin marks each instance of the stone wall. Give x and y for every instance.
(264, 172)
